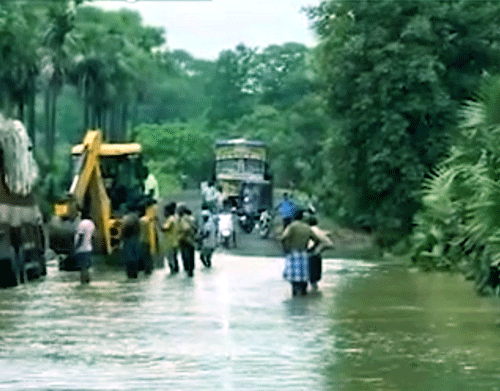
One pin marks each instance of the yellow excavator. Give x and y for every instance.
(108, 183)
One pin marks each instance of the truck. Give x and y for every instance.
(108, 181)
(22, 230)
(242, 172)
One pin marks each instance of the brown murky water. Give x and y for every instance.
(235, 327)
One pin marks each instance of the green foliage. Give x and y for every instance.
(395, 73)
(21, 28)
(177, 149)
(283, 74)
(233, 85)
(460, 218)
(113, 60)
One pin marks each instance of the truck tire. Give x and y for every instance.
(9, 275)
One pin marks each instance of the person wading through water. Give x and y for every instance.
(83, 245)
(295, 240)
(187, 238)
(170, 237)
(315, 260)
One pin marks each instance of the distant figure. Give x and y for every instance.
(295, 240)
(131, 250)
(145, 234)
(208, 237)
(315, 260)
(151, 187)
(83, 246)
(187, 238)
(226, 225)
(220, 198)
(287, 210)
(210, 196)
(170, 237)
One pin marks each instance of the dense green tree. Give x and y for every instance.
(395, 72)
(234, 84)
(178, 91)
(284, 74)
(177, 151)
(459, 221)
(20, 29)
(55, 60)
(113, 61)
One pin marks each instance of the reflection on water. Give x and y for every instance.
(236, 327)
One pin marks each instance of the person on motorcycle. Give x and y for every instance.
(226, 226)
(287, 210)
(265, 224)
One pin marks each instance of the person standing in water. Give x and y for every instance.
(295, 240)
(83, 245)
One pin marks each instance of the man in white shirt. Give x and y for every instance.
(83, 247)
(151, 187)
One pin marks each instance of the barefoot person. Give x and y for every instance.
(295, 240)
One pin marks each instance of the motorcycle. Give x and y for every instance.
(226, 230)
(264, 225)
(247, 223)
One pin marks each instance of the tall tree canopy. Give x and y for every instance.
(396, 72)
(113, 60)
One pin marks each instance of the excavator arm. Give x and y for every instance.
(87, 166)
(88, 191)
(88, 182)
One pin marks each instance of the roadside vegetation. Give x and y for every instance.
(390, 121)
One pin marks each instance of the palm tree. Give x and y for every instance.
(54, 63)
(19, 32)
(113, 59)
(460, 219)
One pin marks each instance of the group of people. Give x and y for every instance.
(135, 250)
(181, 233)
(302, 241)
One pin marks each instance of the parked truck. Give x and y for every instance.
(22, 233)
(242, 172)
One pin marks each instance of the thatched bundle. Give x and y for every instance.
(21, 170)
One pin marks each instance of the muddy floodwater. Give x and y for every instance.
(371, 326)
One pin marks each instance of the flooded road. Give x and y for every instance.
(371, 326)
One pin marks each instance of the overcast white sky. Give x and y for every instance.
(205, 27)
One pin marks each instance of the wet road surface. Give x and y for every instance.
(371, 326)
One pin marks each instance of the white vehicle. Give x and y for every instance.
(264, 224)
(227, 233)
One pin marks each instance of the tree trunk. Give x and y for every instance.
(50, 129)
(48, 142)
(86, 106)
(125, 134)
(20, 114)
(31, 111)
(97, 117)
(134, 113)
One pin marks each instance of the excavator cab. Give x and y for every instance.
(123, 178)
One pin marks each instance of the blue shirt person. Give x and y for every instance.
(287, 209)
